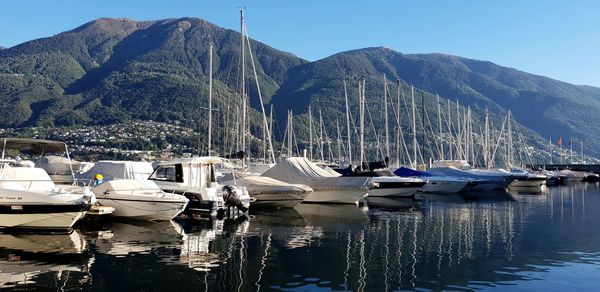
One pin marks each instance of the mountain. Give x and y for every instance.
(551, 108)
(113, 70)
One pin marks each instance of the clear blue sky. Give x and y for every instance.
(559, 39)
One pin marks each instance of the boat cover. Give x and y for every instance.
(407, 172)
(119, 170)
(25, 178)
(58, 165)
(299, 170)
(257, 185)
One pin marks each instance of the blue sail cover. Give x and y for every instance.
(407, 172)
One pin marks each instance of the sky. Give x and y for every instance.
(558, 39)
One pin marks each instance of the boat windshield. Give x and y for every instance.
(171, 173)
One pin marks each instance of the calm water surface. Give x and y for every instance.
(520, 241)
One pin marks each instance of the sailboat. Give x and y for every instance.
(385, 183)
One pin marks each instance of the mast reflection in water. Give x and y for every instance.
(519, 241)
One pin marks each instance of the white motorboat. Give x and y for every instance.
(29, 199)
(436, 184)
(385, 183)
(195, 179)
(483, 179)
(127, 189)
(328, 186)
(139, 199)
(530, 179)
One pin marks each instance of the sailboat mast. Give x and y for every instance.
(210, 75)
(414, 126)
(362, 122)
(450, 136)
(398, 125)
(385, 110)
(243, 84)
(321, 136)
(310, 133)
(348, 124)
(439, 110)
(290, 133)
(510, 141)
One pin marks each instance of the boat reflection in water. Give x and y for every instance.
(44, 261)
(446, 242)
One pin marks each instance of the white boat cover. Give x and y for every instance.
(25, 178)
(111, 170)
(58, 165)
(299, 170)
(257, 185)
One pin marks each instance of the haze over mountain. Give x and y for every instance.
(113, 70)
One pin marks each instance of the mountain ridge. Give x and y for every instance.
(109, 70)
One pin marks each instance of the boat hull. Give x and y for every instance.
(528, 183)
(480, 186)
(277, 200)
(444, 187)
(52, 221)
(144, 209)
(336, 196)
(394, 192)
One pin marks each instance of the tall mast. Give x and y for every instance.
(321, 136)
(272, 156)
(423, 125)
(310, 133)
(398, 125)
(361, 102)
(260, 99)
(339, 140)
(450, 136)
(243, 83)
(385, 110)
(510, 141)
(414, 126)
(440, 127)
(210, 75)
(486, 140)
(290, 133)
(348, 124)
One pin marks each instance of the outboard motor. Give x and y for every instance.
(231, 198)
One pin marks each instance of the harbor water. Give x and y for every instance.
(521, 241)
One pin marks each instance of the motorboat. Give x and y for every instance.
(195, 179)
(126, 188)
(485, 179)
(29, 199)
(328, 186)
(387, 184)
(529, 179)
(435, 183)
(269, 192)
